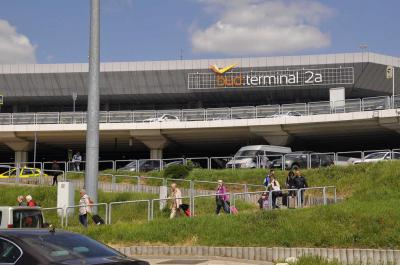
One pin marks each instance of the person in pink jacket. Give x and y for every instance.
(222, 198)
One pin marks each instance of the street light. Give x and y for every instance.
(364, 48)
(74, 97)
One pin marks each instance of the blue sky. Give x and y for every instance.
(56, 31)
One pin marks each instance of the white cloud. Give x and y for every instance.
(14, 47)
(262, 27)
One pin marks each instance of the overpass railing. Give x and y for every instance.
(210, 114)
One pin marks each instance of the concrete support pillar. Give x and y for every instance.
(21, 149)
(153, 139)
(21, 156)
(156, 153)
(274, 134)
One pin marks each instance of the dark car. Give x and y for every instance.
(43, 246)
(144, 165)
(300, 160)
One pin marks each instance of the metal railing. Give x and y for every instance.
(68, 208)
(234, 197)
(60, 211)
(210, 114)
(129, 202)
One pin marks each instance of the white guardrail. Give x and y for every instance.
(210, 114)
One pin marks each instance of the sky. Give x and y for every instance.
(57, 31)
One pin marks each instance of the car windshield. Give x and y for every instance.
(247, 153)
(11, 172)
(131, 164)
(375, 156)
(62, 247)
(27, 218)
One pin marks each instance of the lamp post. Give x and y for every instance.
(364, 48)
(92, 133)
(74, 97)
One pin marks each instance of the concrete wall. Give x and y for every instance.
(345, 256)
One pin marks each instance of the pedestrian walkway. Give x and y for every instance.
(202, 261)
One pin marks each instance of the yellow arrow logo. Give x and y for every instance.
(220, 71)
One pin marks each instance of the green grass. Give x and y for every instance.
(316, 261)
(368, 218)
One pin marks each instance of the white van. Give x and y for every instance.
(247, 156)
(20, 217)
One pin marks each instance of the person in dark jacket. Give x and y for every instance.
(55, 167)
(290, 182)
(300, 183)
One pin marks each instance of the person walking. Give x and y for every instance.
(30, 201)
(221, 198)
(21, 200)
(176, 197)
(85, 207)
(76, 160)
(300, 183)
(55, 167)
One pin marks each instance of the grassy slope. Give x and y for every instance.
(369, 218)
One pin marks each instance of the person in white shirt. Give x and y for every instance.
(84, 208)
(77, 159)
(275, 189)
(176, 196)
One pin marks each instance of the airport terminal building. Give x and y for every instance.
(210, 99)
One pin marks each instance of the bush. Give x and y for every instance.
(176, 171)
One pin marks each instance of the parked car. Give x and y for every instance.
(51, 247)
(378, 156)
(163, 118)
(25, 172)
(300, 160)
(247, 156)
(144, 165)
(286, 114)
(20, 217)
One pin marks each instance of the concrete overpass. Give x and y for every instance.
(337, 128)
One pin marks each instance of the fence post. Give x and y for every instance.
(193, 206)
(324, 195)
(246, 189)
(148, 211)
(192, 191)
(152, 210)
(109, 213)
(113, 180)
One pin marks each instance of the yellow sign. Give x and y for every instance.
(221, 71)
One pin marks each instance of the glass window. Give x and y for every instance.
(27, 171)
(27, 219)
(9, 253)
(61, 247)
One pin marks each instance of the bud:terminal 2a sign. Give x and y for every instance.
(309, 77)
(225, 78)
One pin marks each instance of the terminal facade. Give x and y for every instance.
(189, 84)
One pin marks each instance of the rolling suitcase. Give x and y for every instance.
(98, 220)
(185, 208)
(292, 202)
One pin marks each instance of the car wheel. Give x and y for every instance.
(294, 167)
